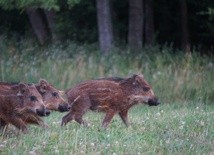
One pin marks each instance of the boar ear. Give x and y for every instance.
(43, 82)
(42, 85)
(61, 92)
(22, 89)
(136, 79)
(134, 76)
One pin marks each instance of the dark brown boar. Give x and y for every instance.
(52, 97)
(19, 101)
(110, 95)
(27, 116)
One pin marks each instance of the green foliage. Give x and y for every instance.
(77, 24)
(71, 3)
(22, 4)
(7, 4)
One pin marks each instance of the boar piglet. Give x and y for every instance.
(109, 95)
(52, 97)
(19, 102)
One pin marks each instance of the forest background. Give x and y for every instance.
(182, 24)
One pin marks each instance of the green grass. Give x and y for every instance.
(182, 124)
(167, 129)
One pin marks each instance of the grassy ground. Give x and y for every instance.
(182, 124)
(167, 129)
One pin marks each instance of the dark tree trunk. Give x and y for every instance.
(149, 22)
(184, 28)
(104, 25)
(38, 24)
(135, 34)
(50, 16)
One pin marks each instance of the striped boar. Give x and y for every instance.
(19, 101)
(109, 95)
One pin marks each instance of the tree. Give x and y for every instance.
(149, 22)
(38, 24)
(41, 15)
(135, 31)
(104, 25)
(50, 16)
(184, 28)
(78, 22)
(35, 11)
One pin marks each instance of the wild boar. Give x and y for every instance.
(52, 97)
(19, 101)
(109, 95)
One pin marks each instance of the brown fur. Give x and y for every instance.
(16, 102)
(110, 95)
(30, 118)
(52, 97)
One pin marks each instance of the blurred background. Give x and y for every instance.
(183, 24)
(68, 41)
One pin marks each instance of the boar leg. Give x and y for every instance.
(34, 119)
(78, 118)
(67, 118)
(80, 108)
(19, 123)
(108, 117)
(123, 115)
(77, 110)
(2, 124)
(79, 114)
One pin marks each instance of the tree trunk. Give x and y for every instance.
(184, 28)
(38, 24)
(149, 22)
(104, 25)
(50, 16)
(135, 34)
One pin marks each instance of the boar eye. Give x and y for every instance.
(146, 89)
(33, 98)
(55, 94)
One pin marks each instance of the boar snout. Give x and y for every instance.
(153, 102)
(64, 107)
(42, 112)
(47, 112)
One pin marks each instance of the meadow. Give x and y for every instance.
(182, 124)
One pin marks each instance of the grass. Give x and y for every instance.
(166, 129)
(182, 124)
